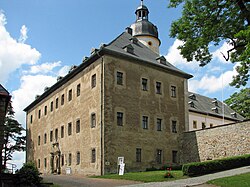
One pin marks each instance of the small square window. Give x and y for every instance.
(93, 120)
(159, 125)
(93, 81)
(119, 77)
(69, 129)
(145, 122)
(78, 90)
(173, 91)
(144, 84)
(174, 126)
(119, 118)
(78, 126)
(70, 95)
(158, 87)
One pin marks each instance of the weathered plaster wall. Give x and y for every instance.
(217, 142)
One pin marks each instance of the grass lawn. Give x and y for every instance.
(242, 180)
(149, 176)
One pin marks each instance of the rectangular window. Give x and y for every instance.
(78, 126)
(51, 136)
(138, 155)
(211, 125)
(45, 110)
(62, 160)
(45, 138)
(93, 156)
(159, 156)
(93, 81)
(145, 122)
(69, 129)
(45, 162)
(62, 131)
(203, 124)
(158, 87)
(93, 120)
(39, 114)
(78, 158)
(31, 119)
(159, 126)
(174, 157)
(62, 99)
(70, 95)
(144, 84)
(39, 140)
(119, 78)
(70, 159)
(56, 103)
(195, 124)
(119, 118)
(174, 126)
(56, 134)
(39, 163)
(51, 106)
(173, 91)
(78, 90)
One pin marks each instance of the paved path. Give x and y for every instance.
(81, 181)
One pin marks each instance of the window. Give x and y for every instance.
(62, 99)
(69, 129)
(93, 120)
(93, 156)
(31, 119)
(45, 138)
(45, 110)
(144, 84)
(51, 136)
(56, 134)
(174, 126)
(39, 140)
(70, 159)
(39, 163)
(56, 102)
(119, 78)
(78, 126)
(158, 87)
(173, 91)
(70, 95)
(78, 90)
(145, 122)
(45, 162)
(51, 106)
(211, 125)
(203, 125)
(62, 131)
(174, 156)
(119, 118)
(159, 156)
(195, 124)
(93, 81)
(39, 114)
(62, 160)
(78, 158)
(138, 155)
(158, 121)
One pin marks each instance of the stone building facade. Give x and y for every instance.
(125, 100)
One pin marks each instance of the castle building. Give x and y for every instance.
(125, 101)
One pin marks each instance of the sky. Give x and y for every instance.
(40, 40)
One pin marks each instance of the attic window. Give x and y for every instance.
(192, 96)
(129, 48)
(134, 40)
(234, 114)
(191, 103)
(215, 109)
(162, 60)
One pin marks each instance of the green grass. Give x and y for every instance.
(242, 180)
(149, 176)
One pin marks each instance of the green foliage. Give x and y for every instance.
(242, 180)
(240, 102)
(201, 168)
(29, 175)
(209, 22)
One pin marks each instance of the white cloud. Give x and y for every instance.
(13, 54)
(29, 88)
(44, 68)
(23, 34)
(218, 54)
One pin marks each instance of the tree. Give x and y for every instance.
(209, 22)
(240, 102)
(13, 138)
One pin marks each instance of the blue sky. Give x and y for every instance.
(40, 40)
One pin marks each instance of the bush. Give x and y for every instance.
(201, 168)
(29, 175)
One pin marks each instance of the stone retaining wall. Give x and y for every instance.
(218, 142)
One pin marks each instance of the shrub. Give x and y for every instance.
(29, 175)
(201, 168)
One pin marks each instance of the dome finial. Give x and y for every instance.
(141, 2)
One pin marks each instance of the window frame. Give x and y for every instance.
(159, 156)
(174, 126)
(158, 87)
(174, 156)
(93, 120)
(144, 84)
(159, 125)
(173, 91)
(119, 118)
(138, 154)
(145, 122)
(93, 81)
(119, 78)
